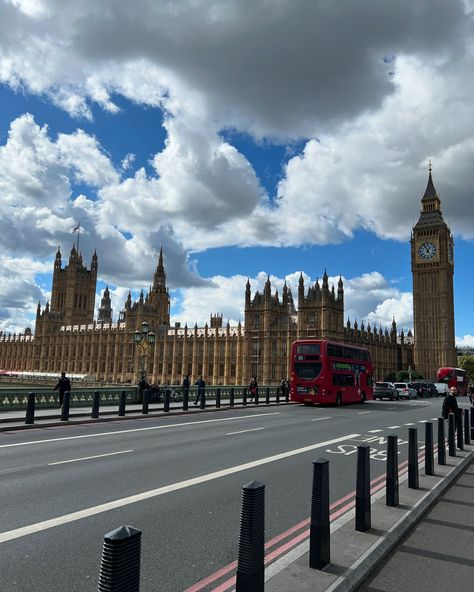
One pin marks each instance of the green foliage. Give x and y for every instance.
(403, 376)
(466, 362)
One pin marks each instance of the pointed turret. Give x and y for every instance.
(325, 281)
(57, 261)
(247, 293)
(430, 201)
(159, 279)
(340, 289)
(94, 261)
(301, 290)
(105, 308)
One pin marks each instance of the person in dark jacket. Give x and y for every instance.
(253, 386)
(201, 385)
(186, 385)
(450, 404)
(63, 386)
(142, 386)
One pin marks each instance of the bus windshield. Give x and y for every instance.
(307, 370)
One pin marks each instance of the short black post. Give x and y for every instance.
(202, 400)
(65, 407)
(267, 395)
(472, 423)
(95, 405)
(166, 403)
(120, 564)
(218, 397)
(123, 397)
(30, 409)
(146, 401)
(362, 507)
(459, 430)
(256, 396)
(451, 431)
(467, 430)
(244, 395)
(287, 393)
(429, 454)
(185, 399)
(278, 396)
(251, 556)
(231, 397)
(319, 545)
(413, 475)
(441, 442)
(391, 485)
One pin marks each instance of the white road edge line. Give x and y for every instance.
(374, 431)
(62, 462)
(321, 418)
(244, 431)
(17, 533)
(363, 412)
(118, 432)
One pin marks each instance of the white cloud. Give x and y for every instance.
(465, 341)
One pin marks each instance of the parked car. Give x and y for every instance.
(442, 388)
(385, 390)
(406, 390)
(425, 389)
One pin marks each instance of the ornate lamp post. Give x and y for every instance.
(409, 373)
(143, 339)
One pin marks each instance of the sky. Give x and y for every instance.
(249, 139)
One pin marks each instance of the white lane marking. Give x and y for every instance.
(423, 420)
(408, 424)
(363, 412)
(118, 432)
(392, 427)
(374, 431)
(132, 499)
(244, 431)
(62, 462)
(321, 418)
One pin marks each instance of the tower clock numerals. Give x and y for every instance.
(427, 250)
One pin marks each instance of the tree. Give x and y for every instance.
(466, 362)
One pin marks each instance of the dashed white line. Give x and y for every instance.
(321, 418)
(393, 427)
(363, 412)
(244, 431)
(374, 431)
(408, 424)
(62, 462)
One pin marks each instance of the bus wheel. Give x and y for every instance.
(338, 400)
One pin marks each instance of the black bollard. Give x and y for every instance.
(362, 507)
(231, 397)
(391, 485)
(120, 564)
(451, 431)
(319, 545)
(185, 399)
(218, 397)
(65, 406)
(413, 476)
(121, 410)
(244, 396)
(467, 430)
(472, 423)
(267, 395)
(166, 403)
(459, 432)
(95, 405)
(202, 400)
(146, 401)
(251, 556)
(278, 396)
(256, 396)
(30, 409)
(429, 454)
(441, 442)
(287, 394)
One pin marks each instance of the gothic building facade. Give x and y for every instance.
(67, 338)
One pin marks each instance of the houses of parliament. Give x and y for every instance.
(68, 338)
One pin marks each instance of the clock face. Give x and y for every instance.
(427, 250)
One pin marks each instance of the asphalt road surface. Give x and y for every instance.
(179, 481)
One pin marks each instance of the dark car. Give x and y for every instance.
(425, 389)
(385, 390)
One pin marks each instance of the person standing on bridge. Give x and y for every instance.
(201, 386)
(253, 386)
(450, 404)
(186, 385)
(63, 386)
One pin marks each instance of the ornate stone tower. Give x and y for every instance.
(432, 265)
(73, 289)
(105, 308)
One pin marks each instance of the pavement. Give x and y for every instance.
(425, 543)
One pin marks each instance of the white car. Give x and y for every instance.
(405, 390)
(442, 388)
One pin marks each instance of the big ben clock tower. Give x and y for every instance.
(432, 266)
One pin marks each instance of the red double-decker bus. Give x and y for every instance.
(329, 372)
(454, 377)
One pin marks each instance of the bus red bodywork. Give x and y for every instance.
(454, 377)
(324, 371)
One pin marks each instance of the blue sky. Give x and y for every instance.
(243, 156)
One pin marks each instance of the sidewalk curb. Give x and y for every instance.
(86, 419)
(365, 565)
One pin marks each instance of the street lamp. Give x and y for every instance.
(142, 340)
(409, 373)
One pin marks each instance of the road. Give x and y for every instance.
(179, 481)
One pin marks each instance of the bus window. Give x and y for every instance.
(307, 370)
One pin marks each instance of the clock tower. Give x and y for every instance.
(432, 266)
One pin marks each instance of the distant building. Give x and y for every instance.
(68, 338)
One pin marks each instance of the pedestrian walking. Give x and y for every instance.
(253, 388)
(63, 386)
(450, 404)
(283, 387)
(201, 386)
(142, 386)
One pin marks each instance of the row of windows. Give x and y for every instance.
(337, 350)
